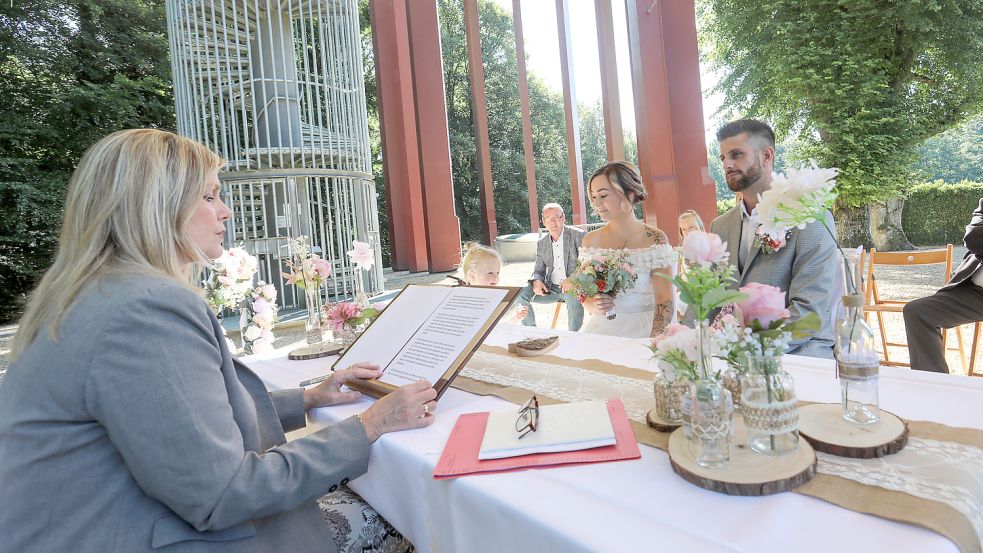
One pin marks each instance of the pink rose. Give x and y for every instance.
(765, 304)
(704, 248)
(322, 267)
(262, 307)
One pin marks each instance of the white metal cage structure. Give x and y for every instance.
(276, 87)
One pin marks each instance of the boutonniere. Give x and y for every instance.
(769, 244)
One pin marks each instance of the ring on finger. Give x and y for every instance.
(426, 410)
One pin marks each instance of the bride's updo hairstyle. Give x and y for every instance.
(624, 176)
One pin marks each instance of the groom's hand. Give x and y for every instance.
(539, 288)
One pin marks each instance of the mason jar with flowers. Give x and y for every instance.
(308, 271)
(349, 319)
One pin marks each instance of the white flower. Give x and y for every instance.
(801, 197)
(252, 332)
(263, 321)
(262, 307)
(362, 255)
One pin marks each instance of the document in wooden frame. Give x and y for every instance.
(426, 332)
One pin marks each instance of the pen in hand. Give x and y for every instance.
(316, 380)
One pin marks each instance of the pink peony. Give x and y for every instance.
(340, 313)
(765, 304)
(704, 248)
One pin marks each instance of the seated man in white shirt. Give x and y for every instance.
(556, 259)
(957, 303)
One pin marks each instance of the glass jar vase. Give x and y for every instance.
(712, 414)
(669, 397)
(314, 324)
(857, 364)
(770, 407)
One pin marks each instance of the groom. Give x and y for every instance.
(556, 259)
(806, 268)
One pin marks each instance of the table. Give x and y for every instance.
(624, 506)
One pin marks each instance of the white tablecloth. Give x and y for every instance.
(624, 506)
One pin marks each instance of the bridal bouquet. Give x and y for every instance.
(607, 274)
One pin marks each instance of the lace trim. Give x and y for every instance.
(658, 256)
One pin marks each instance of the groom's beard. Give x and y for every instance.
(747, 179)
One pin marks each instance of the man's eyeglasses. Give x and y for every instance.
(528, 419)
(558, 218)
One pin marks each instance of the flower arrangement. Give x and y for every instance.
(758, 325)
(795, 200)
(607, 274)
(362, 255)
(230, 279)
(258, 315)
(678, 352)
(306, 268)
(349, 315)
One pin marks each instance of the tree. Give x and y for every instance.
(70, 73)
(954, 155)
(859, 84)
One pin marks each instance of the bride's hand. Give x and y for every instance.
(603, 303)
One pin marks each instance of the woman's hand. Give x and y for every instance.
(329, 392)
(601, 304)
(410, 406)
(519, 313)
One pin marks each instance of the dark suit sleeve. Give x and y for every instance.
(157, 387)
(974, 232)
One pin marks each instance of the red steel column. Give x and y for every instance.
(479, 111)
(614, 136)
(400, 147)
(520, 58)
(695, 189)
(443, 229)
(648, 75)
(574, 161)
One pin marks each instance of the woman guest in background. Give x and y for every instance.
(645, 310)
(125, 423)
(481, 266)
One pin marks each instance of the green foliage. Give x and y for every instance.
(937, 213)
(726, 204)
(858, 83)
(954, 155)
(70, 73)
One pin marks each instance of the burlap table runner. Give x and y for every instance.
(936, 482)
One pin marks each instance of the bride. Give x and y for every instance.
(647, 308)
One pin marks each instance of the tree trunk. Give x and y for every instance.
(853, 226)
(885, 225)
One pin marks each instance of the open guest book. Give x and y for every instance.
(426, 333)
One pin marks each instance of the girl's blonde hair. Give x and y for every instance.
(689, 214)
(475, 253)
(128, 204)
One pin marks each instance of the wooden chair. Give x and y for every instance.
(878, 305)
(556, 315)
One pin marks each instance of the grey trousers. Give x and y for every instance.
(925, 318)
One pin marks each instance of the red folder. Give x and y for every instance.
(460, 455)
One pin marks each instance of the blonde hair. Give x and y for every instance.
(128, 203)
(474, 254)
(689, 214)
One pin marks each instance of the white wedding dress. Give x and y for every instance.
(635, 307)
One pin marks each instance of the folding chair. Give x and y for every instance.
(874, 303)
(556, 315)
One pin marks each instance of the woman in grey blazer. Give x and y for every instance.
(125, 424)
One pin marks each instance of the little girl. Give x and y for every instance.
(481, 266)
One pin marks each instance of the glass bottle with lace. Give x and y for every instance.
(857, 364)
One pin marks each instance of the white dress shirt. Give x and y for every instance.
(749, 222)
(559, 264)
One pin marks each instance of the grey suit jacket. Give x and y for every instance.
(806, 269)
(572, 238)
(136, 431)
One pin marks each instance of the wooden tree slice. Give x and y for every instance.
(662, 425)
(826, 429)
(316, 351)
(747, 473)
(534, 346)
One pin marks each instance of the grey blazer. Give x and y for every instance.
(806, 268)
(572, 238)
(136, 431)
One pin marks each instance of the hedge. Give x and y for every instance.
(725, 204)
(937, 213)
